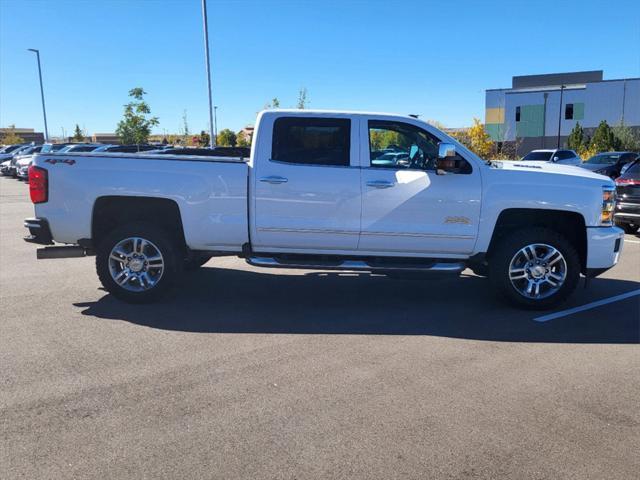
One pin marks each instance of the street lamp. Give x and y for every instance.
(212, 141)
(44, 111)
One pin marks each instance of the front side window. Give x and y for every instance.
(568, 111)
(312, 141)
(400, 145)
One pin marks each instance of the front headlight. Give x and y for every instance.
(608, 205)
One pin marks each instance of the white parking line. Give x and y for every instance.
(588, 306)
(631, 241)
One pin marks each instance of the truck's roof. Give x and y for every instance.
(147, 156)
(296, 111)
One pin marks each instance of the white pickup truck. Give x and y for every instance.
(329, 190)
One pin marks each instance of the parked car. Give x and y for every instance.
(609, 163)
(310, 198)
(124, 148)
(627, 213)
(22, 154)
(80, 147)
(11, 150)
(562, 157)
(242, 152)
(4, 167)
(53, 147)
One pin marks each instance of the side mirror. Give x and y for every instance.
(555, 159)
(445, 161)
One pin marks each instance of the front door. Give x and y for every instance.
(406, 207)
(307, 193)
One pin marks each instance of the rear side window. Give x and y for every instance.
(312, 141)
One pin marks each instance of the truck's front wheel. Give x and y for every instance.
(534, 268)
(137, 262)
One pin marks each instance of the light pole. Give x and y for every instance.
(215, 121)
(212, 141)
(560, 114)
(44, 111)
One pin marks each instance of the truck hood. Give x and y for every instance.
(548, 167)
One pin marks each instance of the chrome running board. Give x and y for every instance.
(273, 262)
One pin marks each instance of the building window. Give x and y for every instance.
(568, 111)
(517, 114)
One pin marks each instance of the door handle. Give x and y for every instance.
(380, 184)
(274, 179)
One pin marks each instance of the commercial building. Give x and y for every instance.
(28, 135)
(539, 111)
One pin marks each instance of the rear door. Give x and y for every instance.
(306, 184)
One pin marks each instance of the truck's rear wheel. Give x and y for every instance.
(137, 262)
(534, 268)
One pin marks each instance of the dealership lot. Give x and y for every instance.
(249, 373)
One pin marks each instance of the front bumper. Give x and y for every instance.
(604, 245)
(39, 231)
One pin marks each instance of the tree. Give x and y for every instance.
(226, 138)
(78, 135)
(603, 139)
(627, 139)
(577, 139)
(11, 137)
(203, 139)
(243, 140)
(302, 99)
(275, 103)
(477, 139)
(186, 133)
(135, 126)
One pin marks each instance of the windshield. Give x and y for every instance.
(539, 156)
(604, 159)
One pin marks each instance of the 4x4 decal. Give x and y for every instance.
(53, 161)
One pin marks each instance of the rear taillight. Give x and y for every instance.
(627, 181)
(38, 184)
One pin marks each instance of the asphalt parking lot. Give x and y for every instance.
(249, 373)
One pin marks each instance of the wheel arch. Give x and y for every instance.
(572, 225)
(111, 211)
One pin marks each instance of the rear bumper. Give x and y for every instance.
(39, 231)
(604, 245)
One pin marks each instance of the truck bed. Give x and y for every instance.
(210, 193)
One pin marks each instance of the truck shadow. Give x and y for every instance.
(215, 300)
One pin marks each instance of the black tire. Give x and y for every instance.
(172, 261)
(629, 227)
(510, 245)
(196, 261)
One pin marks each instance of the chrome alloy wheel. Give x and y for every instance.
(537, 271)
(136, 264)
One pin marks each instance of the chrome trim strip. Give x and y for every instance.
(307, 230)
(426, 235)
(353, 232)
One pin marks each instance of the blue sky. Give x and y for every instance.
(430, 58)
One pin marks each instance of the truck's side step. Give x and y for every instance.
(322, 263)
